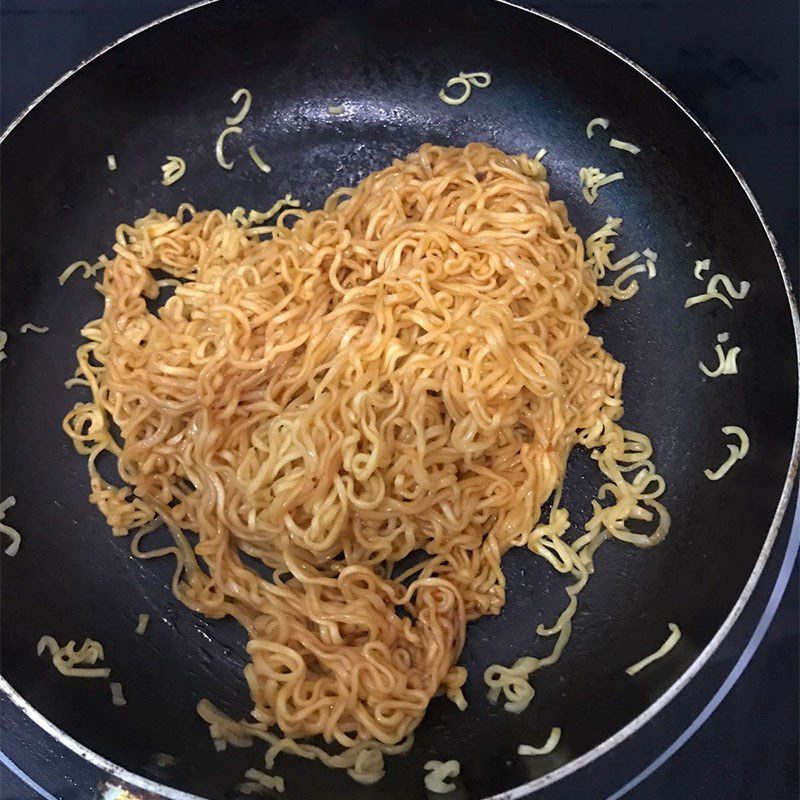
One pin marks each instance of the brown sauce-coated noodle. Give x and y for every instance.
(403, 371)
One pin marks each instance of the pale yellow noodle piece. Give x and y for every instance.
(257, 160)
(727, 361)
(741, 434)
(173, 170)
(735, 452)
(552, 742)
(480, 80)
(238, 95)
(601, 122)
(69, 661)
(117, 698)
(713, 293)
(736, 294)
(701, 266)
(730, 367)
(651, 257)
(627, 146)
(88, 271)
(720, 369)
(593, 179)
(12, 548)
(440, 774)
(141, 625)
(458, 99)
(219, 147)
(673, 639)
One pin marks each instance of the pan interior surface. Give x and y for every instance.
(166, 92)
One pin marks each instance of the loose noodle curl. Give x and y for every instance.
(401, 372)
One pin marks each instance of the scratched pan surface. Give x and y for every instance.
(166, 91)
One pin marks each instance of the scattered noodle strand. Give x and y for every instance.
(257, 160)
(627, 146)
(70, 662)
(141, 625)
(701, 266)
(218, 148)
(727, 362)
(601, 122)
(89, 271)
(650, 263)
(12, 548)
(712, 291)
(238, 95)
(673, 639)
(479, 80)
(173, 170)
(592, 180)
(117, 698)
(735, 452)
(552, 742)
(439, 775)
(29, 326)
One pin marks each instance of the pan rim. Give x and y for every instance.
(519, 792)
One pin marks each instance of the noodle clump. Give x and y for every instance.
(373, 403)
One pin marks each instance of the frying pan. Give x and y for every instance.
(166, 91)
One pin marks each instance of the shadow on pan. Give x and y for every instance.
(166, 91)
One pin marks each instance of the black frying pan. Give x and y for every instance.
(165, 91)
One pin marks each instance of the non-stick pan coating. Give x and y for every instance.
(166, 92)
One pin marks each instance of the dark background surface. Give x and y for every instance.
(735, 65)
